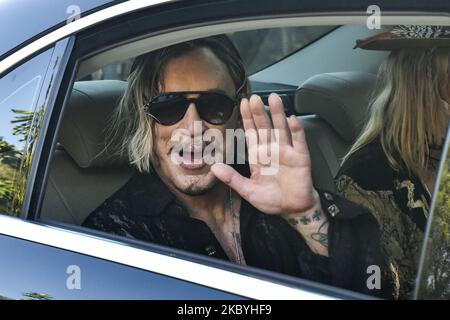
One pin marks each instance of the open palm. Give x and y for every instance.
(280, 181)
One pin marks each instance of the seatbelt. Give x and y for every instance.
(330, 156)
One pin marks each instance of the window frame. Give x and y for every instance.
(60, 57)
(22, 169)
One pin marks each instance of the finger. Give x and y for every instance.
(279, 119)
(261, 119)
(247, 119)
(251, 137)
(298, 135)
(233, 179)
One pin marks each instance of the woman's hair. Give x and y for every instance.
(409, 110)
(130, 131)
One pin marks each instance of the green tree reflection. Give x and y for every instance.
(30, 296)
(15, 159)
(36, 296)
(9, 163)
(435, 280)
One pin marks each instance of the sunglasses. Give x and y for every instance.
(169, 108)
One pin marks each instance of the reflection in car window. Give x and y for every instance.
(102, 280)
(261, 48)
(435, 277)
(19, 93)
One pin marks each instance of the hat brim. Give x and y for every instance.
(396, 44)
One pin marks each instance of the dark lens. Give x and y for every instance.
(168, 109)
(215, 108)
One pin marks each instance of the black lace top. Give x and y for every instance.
(145, 209)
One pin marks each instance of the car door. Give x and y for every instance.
(35, 271)
(62, 258)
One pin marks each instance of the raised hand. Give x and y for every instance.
(286, 188)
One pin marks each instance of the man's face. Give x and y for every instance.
(199, 70)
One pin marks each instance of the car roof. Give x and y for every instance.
(21, 20)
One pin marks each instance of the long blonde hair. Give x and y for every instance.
(130, 131)
(409, 110)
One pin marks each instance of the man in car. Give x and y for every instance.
(265, 214)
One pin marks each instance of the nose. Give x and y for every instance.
(192, 121)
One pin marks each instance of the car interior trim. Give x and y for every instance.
(138, 47)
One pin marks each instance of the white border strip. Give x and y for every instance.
(75, 26)
(170, 266)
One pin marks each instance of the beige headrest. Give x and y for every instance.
(82, 132)
(341, 99)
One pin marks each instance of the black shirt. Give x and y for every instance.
(145, 209)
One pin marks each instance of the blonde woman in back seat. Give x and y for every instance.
(391, 168)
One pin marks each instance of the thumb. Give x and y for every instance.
(233, 179)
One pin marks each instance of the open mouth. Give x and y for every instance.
(191, 157)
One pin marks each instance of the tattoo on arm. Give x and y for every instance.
(321, 236)
(236, 253)
(317, 216)
(237, 237)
